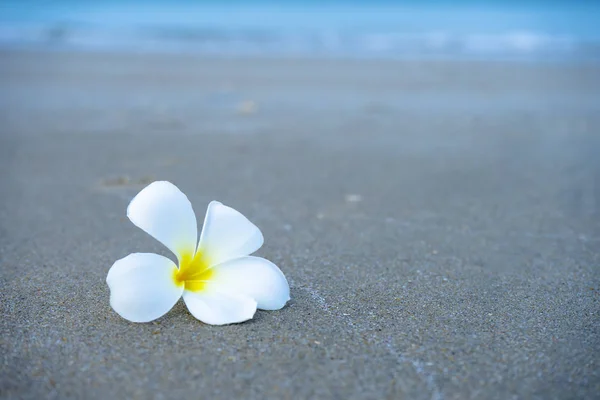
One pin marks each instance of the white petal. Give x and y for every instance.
(217, 308)
(142, 287)
(227, 234)
(164, 212)
(255, 277)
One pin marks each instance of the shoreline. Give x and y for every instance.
(208, 56)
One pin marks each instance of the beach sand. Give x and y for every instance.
(438, 222)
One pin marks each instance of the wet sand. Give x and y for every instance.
(438, 222)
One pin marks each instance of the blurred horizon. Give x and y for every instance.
(533, 30)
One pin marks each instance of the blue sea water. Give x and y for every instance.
(534, 30)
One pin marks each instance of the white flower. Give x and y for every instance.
(219, 281)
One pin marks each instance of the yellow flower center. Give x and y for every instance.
(194, 272)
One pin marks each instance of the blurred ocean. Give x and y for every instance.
(534, 30)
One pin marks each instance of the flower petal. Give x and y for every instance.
(217, 308)
(142, 287)
(165, 213)
(255, 277)
(227, 234)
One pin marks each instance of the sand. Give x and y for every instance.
(438, 222)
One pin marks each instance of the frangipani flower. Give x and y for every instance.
(218, 279)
